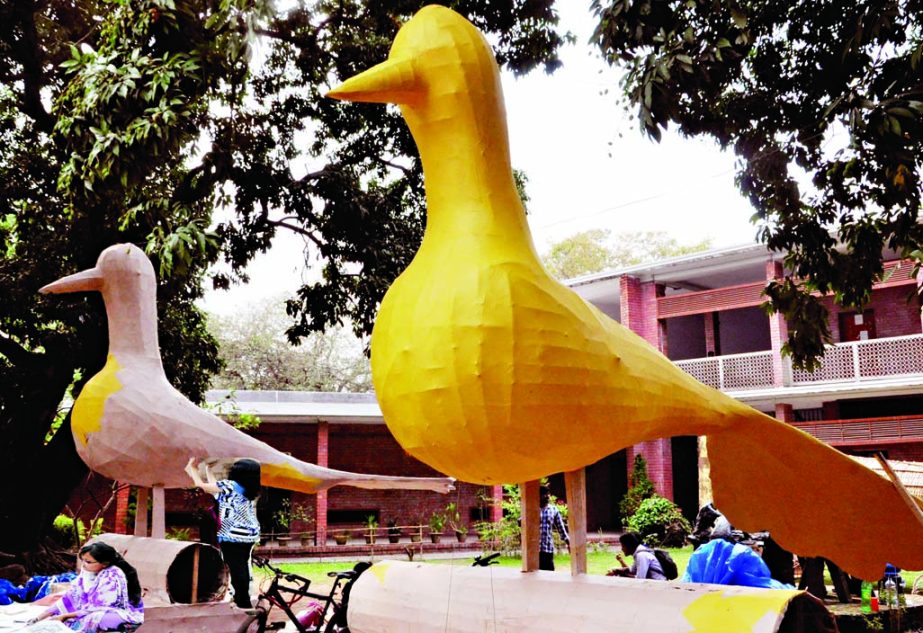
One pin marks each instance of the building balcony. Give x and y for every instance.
(844, 362)
(865, 431)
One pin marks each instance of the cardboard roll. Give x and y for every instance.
(173, 571)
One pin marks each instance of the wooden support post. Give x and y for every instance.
(840, 583)
(141, 511)
(194, 597)
(575, 486)
(530, 526)
(908, 499)
(158, 515)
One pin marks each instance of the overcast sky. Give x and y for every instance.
(588, 167)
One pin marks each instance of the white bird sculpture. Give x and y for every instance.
(131, 425)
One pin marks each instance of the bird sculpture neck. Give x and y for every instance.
(470, 191)
(131, 308)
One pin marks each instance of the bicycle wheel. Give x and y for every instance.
(256, 623)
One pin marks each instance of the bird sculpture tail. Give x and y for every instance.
(289, 473)
(816, 501)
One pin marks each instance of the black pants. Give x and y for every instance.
(237, 558)
(546, 561)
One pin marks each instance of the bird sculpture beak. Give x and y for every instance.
(392, 81)
(84, 281)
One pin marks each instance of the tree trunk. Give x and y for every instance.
(36, 479)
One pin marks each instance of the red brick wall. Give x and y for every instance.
(894, 316)
(369, 449)
(659, 457)
(639, 309)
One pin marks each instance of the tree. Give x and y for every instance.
(783, 83)
(155, 119)
(640, 488)
(592, 251)
(257, 355)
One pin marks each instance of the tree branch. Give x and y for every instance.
(31, 57)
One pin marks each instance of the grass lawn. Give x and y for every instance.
(598, 562)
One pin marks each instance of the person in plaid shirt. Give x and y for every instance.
(550, 519)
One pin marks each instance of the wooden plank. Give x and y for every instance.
(194, 598)
(530, 525)
(914, 508)
(141, 511)
(575, 485)
(158, 514)
(840, 582)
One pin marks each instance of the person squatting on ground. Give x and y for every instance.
(645, 564)
(549, 521)
(105, 596)
(238, 529)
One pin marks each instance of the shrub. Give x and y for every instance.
(73, 531)
(660, 522)
(640, 488)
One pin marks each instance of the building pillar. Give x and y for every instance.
(778, 332)
(320, 501)
(122, 498)
(711, 347)
(831, 410)
(496, 508)
(659, 457)
(639, 310)
(785, 412)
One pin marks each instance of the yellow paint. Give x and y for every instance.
(288, 477)
(723, 613)
(379, 570)
(87, 415)
(480, 359)
(490, 371)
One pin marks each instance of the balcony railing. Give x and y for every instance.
(865, 431)
(733, 372)
(843, 362)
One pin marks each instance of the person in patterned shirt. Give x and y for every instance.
(238, 528)
(550, 520)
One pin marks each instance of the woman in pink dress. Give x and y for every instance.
(105, 596)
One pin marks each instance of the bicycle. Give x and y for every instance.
(333, 616)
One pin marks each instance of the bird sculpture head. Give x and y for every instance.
(125, 277)
(443, 75)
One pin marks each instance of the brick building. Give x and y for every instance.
(703, 312)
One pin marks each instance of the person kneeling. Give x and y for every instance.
(645, 564)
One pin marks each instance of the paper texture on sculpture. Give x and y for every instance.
(425, 598)
(131, 425)
(492, 372)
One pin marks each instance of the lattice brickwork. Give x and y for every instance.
(836, 365)
(874, 358)
(891, 357)
(705, 370)
(732, 373)
(747, 371)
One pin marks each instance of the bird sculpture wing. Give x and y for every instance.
(131, 425)
(490, 371)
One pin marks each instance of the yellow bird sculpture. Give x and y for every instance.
(131, 425)
(489, 370)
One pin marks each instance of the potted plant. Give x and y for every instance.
(371, 526)
(436, 526)
(341, 537)
(453, 517)
(394, 532)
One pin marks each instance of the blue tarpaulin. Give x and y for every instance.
(722, 563)
(37, 587)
